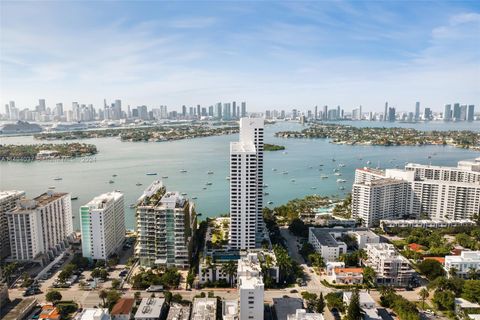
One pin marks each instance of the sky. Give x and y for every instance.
(271, 54)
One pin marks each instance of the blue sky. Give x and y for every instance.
(273, 54)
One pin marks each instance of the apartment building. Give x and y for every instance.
(40, 226)
(204, 309)
(8, 201)
(367, 304)
(347, 275)
(425, 224)
(302, 314)
(436, 192)
(391, 268)
(102, 224)
(151, 309)
(166, 224)
(464, 263)
(246, 186)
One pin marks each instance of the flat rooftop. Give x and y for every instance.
(150, 308)
(10, 193)
(179, 312)
(47, 197)
(204, 309)
(325, 237)
(100, 201)
(285, 306)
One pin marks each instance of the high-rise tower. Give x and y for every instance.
(246, 185)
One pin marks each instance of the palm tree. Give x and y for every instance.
(230, 268)
(424, 295)
(472, 273)
(102, 294)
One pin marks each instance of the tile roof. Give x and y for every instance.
(123, 306)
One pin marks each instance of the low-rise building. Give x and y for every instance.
(204, 309)
(425, 223)
(302, 314)
(464, 307)
(178, 311)
(230, 310)
(49, 312)
(150, 309)
(282, 307)
(329, 241)
(122, 310)
(347, 275)
(367, 304)
(391, 268)
(93, 314)
(464, 263)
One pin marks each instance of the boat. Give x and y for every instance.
(320, 165)
(210, 172)
(273, 169)
(151, 173)
(183, 171)
(74, 198)
(324, 177)
(132, 206)
(183, 193)
(227, 178)
(341, 165)
(114, 175)
(293, 180)
(51, 187)
(368, 162)
(342, 188)
(57, 178)
(333, 160)
(265, 185)
(266, 193)
(285, 172)
(138, 184)
(335, 170)
(194, 198)
(111, 181)
(310, 167)
(341, 180)
(164, 177)
(204, 188)
(314, 188)
(337, 174)
(270, 202)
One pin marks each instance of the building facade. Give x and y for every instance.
(102, 223)
(463, 264)
(391, 268)
(40, 226)
(8, 202)
(246, 185)
(166, 224)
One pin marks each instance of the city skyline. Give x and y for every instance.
(273, 55)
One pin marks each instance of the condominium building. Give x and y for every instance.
(40, 226)
(102, 223)
(302, 314)
(251, 292)
(166, 224)
(463, 264)
(151, 309)
(436, 192)
(8, 201)
(230, 310)
(390, 267)
(425, 224)
(246, 185)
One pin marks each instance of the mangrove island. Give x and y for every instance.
(48, 151)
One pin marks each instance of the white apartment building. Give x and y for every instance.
(102, 224)
(391, 268)
(8, 201)
(230, 310)
(436, 192)
(367, 304)
(40, 226)
(166, 224)
(150, 309)
(426, 224)
(246, 185)
(251, 292)
(466, 261)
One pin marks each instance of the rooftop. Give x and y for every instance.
(47, 197)
(230, 309)
(465, 256)
(285, 306)
(9, 193)
(178, 312)
(49, 312)
(465, 304)
(326, 238)
(348, 270)
(123, 306)
(204, 309)
(150, 308)
(93, 314)
(301, 314)
(99, 201)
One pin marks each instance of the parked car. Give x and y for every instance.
(156, 288)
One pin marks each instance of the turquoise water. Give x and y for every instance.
(132, 160)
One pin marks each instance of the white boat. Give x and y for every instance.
(164, 177)
(341, 165)
(342, 188)
(293, 180)
(227, 178)
(183, 171)
(368, 162)
(210, 172)
(314, 188)
(341, 180)
(194, 198)
(270, 202)
(57, 178)
(183, 193)
(208, 183)
(285, 172)
(52, 187)
(273, 169)
(337, 174)
(324, 177)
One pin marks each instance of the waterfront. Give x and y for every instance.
(130, 161)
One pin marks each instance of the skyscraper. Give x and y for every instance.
(456, 111)
(102, 223)
(417, 111)
(385, 114)
(391, 114)
(8, 201)
(199, 112)
(246, 185)
(244, 110)
(447, 114)
(471, 112)
(234, 110)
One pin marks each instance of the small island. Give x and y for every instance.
(32, 152)
(144, 134)
(272, 147)
(381, 136)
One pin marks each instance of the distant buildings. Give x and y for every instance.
(391, 268)
(425, 224)
(463, 264)
(439, 193)
(40, 226)
(8, 201)
(246, 185)
(166, 224)
(102, 224)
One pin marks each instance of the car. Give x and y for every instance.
(155, 288)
